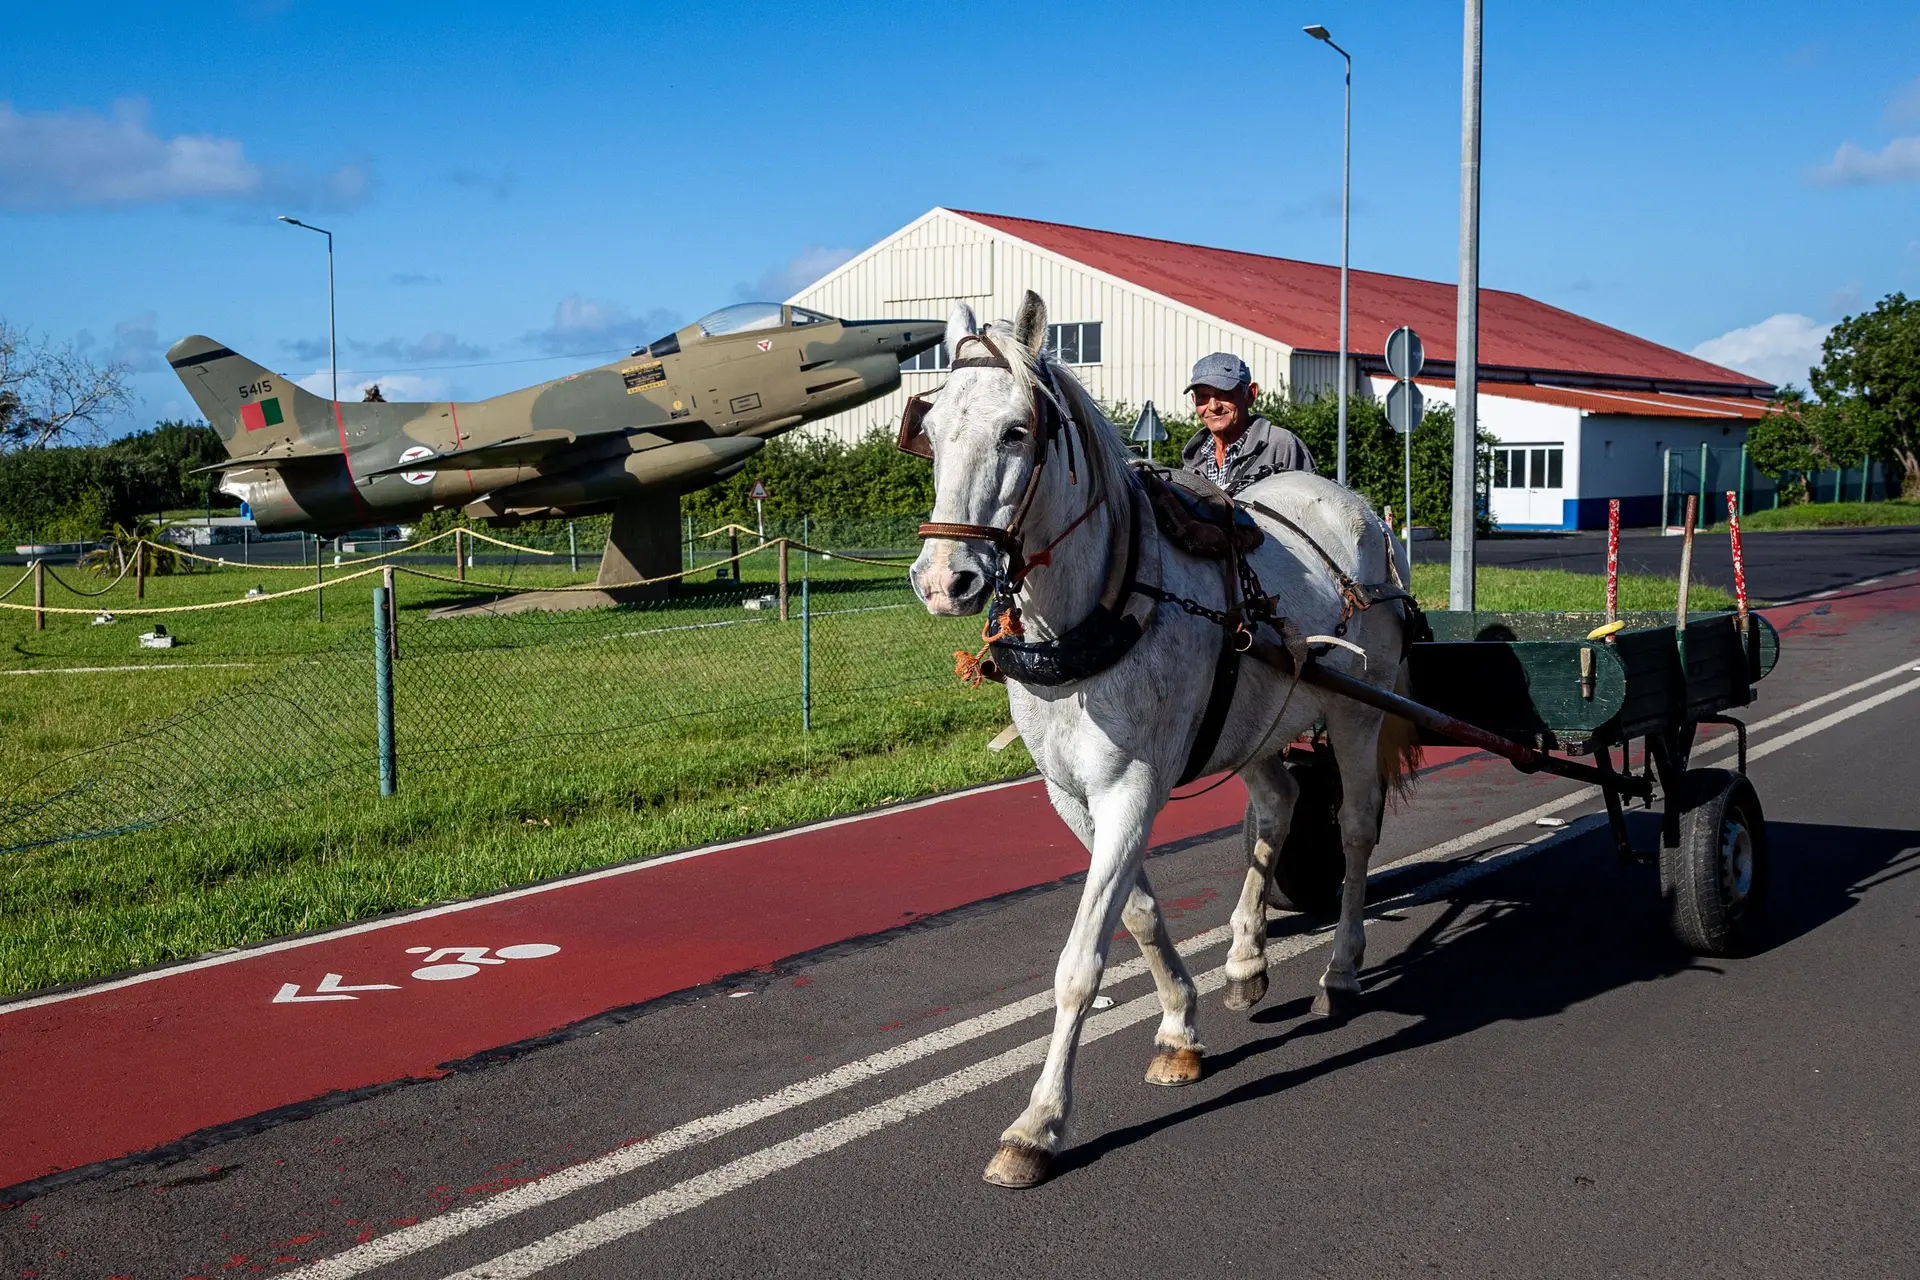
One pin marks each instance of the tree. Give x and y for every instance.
(49, 394)
(1868, 381)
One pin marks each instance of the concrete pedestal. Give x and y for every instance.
(643, 543)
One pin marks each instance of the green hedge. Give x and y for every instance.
(69, 494)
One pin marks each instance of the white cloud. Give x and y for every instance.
(136, 342)
(582, 325)
(780, 283)
(394, 386)
(436, 346)
(1852, 166)
(72, 159)
(1780, 348)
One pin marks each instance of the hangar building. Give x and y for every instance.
(1583, 412)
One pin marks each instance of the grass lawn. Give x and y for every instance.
(531, 747)
(1834, 515)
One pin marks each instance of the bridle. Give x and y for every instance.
(1049, 420)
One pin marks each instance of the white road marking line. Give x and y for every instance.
(1786, 740)
(425, 1235)
(565, 1245)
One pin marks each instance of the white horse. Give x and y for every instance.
(1029, 473)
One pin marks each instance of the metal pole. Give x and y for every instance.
(1666, 489)
(1613, 558)
(573, 549)
(1466, 357)
(1346, 187)
(333, 359)
(1743, 480)
(1705, 515)
(383, 692)
(1406, 512)
(246, 545)
(806, 656)
(1866, 469)
(319, 575)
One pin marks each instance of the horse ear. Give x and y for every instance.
(960, 324)
(1031, 326)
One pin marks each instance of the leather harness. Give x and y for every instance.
(1109, 632)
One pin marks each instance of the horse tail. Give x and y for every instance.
(1398, 755)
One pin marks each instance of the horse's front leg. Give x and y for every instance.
(1354, 732)
(1177, 1047)
(1121, 817)
(1272, 792)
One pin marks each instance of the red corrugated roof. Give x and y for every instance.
(1298, 303)
(1657, 404)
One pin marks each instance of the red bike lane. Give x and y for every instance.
(131, 1064)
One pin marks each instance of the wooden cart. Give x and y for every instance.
(1528, 685)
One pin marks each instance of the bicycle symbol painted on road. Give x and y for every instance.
(441, 964)
(469, 959)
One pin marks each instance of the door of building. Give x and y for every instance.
(1529, 484)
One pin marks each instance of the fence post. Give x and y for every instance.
(783, 579)
(1866, 470)
(460, 554)
(573, 549)
(319, 576)
(1666, 489)
(806, 657)
(383, 691)
(393, 611)
(140, 569)
(39, 595)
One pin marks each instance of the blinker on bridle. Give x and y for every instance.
(913, 439)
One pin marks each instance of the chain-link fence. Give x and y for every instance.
(717, 660)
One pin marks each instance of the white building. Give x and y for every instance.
(1583, 412)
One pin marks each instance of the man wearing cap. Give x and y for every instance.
(1238, 447)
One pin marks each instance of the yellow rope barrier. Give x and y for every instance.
(16, 586)
(412, 548)
(125, 569)
(441, 577)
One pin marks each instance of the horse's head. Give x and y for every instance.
(980, 431)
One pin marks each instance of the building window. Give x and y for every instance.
(1529, 467)
(1074, 343)
(928, 361)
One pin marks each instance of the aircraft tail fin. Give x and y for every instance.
(254, 409)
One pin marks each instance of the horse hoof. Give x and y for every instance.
(1018, 1166)
(1335, 1003)
(1243, 995)
(1173, 1067)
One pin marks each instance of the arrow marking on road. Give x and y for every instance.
(325, 989)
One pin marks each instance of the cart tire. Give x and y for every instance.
(1310, 867)
(1715, 879)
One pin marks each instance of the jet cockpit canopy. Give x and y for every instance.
(742, 317)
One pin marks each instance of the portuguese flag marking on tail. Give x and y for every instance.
(261, 413)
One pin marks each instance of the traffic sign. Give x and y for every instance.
(1405, 356)
(759, 492)
(1149, 430)
(1405, 405)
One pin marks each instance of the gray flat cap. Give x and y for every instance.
(1221, 371)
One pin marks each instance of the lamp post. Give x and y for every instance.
(1346, 187)
(333, 363)
(1466, 341)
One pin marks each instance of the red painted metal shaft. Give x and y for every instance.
(1739, 558)
(1613, 558)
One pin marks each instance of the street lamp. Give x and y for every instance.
(333, 363)
(1319, 32)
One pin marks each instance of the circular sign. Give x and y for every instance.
(1405, 356)
(1405, 406)
(414, 454)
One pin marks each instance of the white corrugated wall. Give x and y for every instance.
(1148, 343)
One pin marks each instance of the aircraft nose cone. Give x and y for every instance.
(908, 338)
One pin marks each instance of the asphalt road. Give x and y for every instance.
(1540, 1082)
(1787, 565)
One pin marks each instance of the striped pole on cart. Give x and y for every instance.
(1739, 559)
(1613, 558)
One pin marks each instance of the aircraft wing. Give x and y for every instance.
(514, 451)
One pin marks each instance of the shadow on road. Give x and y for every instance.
(1535, 940)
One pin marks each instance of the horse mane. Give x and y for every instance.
(1107, 453)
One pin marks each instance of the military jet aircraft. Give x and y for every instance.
(628, 437)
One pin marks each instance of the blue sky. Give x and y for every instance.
(515, 188)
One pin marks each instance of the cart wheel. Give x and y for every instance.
(1715, 879)
(1310, 867)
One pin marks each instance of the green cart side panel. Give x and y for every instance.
(1518, 674)
(1521, 688)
